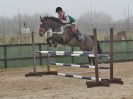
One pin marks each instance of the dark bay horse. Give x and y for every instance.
(62, 34)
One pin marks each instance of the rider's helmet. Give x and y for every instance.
(58, 9)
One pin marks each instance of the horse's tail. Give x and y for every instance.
(98, 45)
(99, 48)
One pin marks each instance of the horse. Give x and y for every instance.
(119, 36)
(62, 34)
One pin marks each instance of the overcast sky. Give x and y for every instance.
(116, 8)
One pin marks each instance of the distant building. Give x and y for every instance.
(25, 30)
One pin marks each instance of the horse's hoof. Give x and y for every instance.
(55, 45)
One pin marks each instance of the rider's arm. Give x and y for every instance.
(67, 21)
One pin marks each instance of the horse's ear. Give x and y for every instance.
(40, 18)
(46, 17)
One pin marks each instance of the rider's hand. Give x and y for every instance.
(63, 21)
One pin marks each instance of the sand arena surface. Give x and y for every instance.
(14, 85)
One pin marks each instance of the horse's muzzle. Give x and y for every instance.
(42, 32)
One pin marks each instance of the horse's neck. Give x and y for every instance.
(58, 29)
(55, 26)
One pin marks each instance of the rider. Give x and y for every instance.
(67, 19)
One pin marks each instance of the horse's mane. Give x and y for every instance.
(55, 19)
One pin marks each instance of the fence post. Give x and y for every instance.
(95, 53)
(40, 55)
(48, 58)
(48, 61)
(5, 56)
(72, 49)
(33, 51)
(111, 53)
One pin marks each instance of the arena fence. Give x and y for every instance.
(19, 55)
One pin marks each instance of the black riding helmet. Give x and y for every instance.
(58, 9)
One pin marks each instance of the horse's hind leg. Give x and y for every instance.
(93, 61)
(90, 60)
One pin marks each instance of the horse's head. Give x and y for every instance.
(49, 22)
(43, 26)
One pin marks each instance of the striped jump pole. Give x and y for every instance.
(71, 65)
(74, 53)
(65, 53)
(77, 76)
(76, 65)
(60, 54)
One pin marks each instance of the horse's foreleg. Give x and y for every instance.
(49, 41)
(55, 44)
(59, 40)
